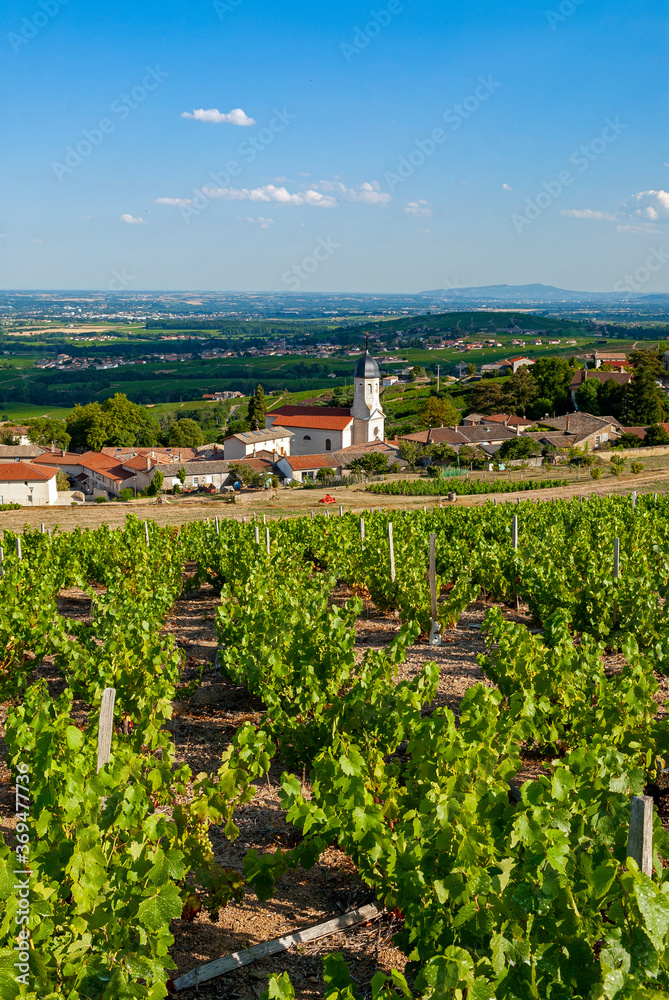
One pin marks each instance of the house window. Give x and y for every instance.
(195, 480)
(307, 437)
(328, 444)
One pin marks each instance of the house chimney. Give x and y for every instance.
(62, 453)
(148, 463)
(568, 421)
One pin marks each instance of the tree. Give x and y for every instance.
(373, 463)
(415, 373)
(587, 396)
(156, 483)
(7, 438)
(246, 475)
(181, 475)
(115, 423)
(410, 451)
(325, 474)
(437, 412)
(258, 409)
(440, 452)
(552, 377)
(185, 434)
(44, 431)
(649, 361)
(471, 369)
(637, 467)
(656, 434)
(126, 494)
(488, 397)
(472, 456)
(519, 447)
(520, 390)
(643, 401)
(628, 441)
(62, 481)
(617, 465)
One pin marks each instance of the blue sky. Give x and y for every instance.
(401, 146)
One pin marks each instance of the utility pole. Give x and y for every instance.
(438, 367)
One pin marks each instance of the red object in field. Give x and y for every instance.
(328, 499)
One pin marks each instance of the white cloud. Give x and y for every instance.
(131, 220)
(272, 193)
(369, 192)
(37, 241)
(651, 206)
(506, 187)
(420, 207)
(216, 117)
(588, 213)
(178, 202)
(260, 221)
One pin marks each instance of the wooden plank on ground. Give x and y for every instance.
(220, 966)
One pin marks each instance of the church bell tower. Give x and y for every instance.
(368, 417)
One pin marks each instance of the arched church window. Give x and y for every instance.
(307, 437)
(369, 390)
(328, 444)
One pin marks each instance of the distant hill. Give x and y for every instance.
(536, 293)
(461, 323)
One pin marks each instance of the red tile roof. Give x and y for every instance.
(138, 463)
(55, 458)
(306, 462)
(13, 472)
(323, 423)
(305, 411)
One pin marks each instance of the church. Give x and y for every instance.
(317, 430)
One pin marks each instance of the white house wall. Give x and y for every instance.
(313, 441)
(43, 493)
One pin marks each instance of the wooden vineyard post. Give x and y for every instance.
(218, 526)
(616, 558)
(2, 559)
(341, 510)
(267, 542)
(243, 520)
(391, 550)
(514, 542)
(256, 532)
(42, 529)
(146, 532)
(312, 514)
(435, 628)
(19, 553)
(640, 838)
(633, 499)
(106, 726)
(362, 533)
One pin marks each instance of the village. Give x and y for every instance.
(302, 445)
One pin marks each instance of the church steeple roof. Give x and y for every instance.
(367, 366)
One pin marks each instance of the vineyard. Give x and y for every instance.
(500, 886)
